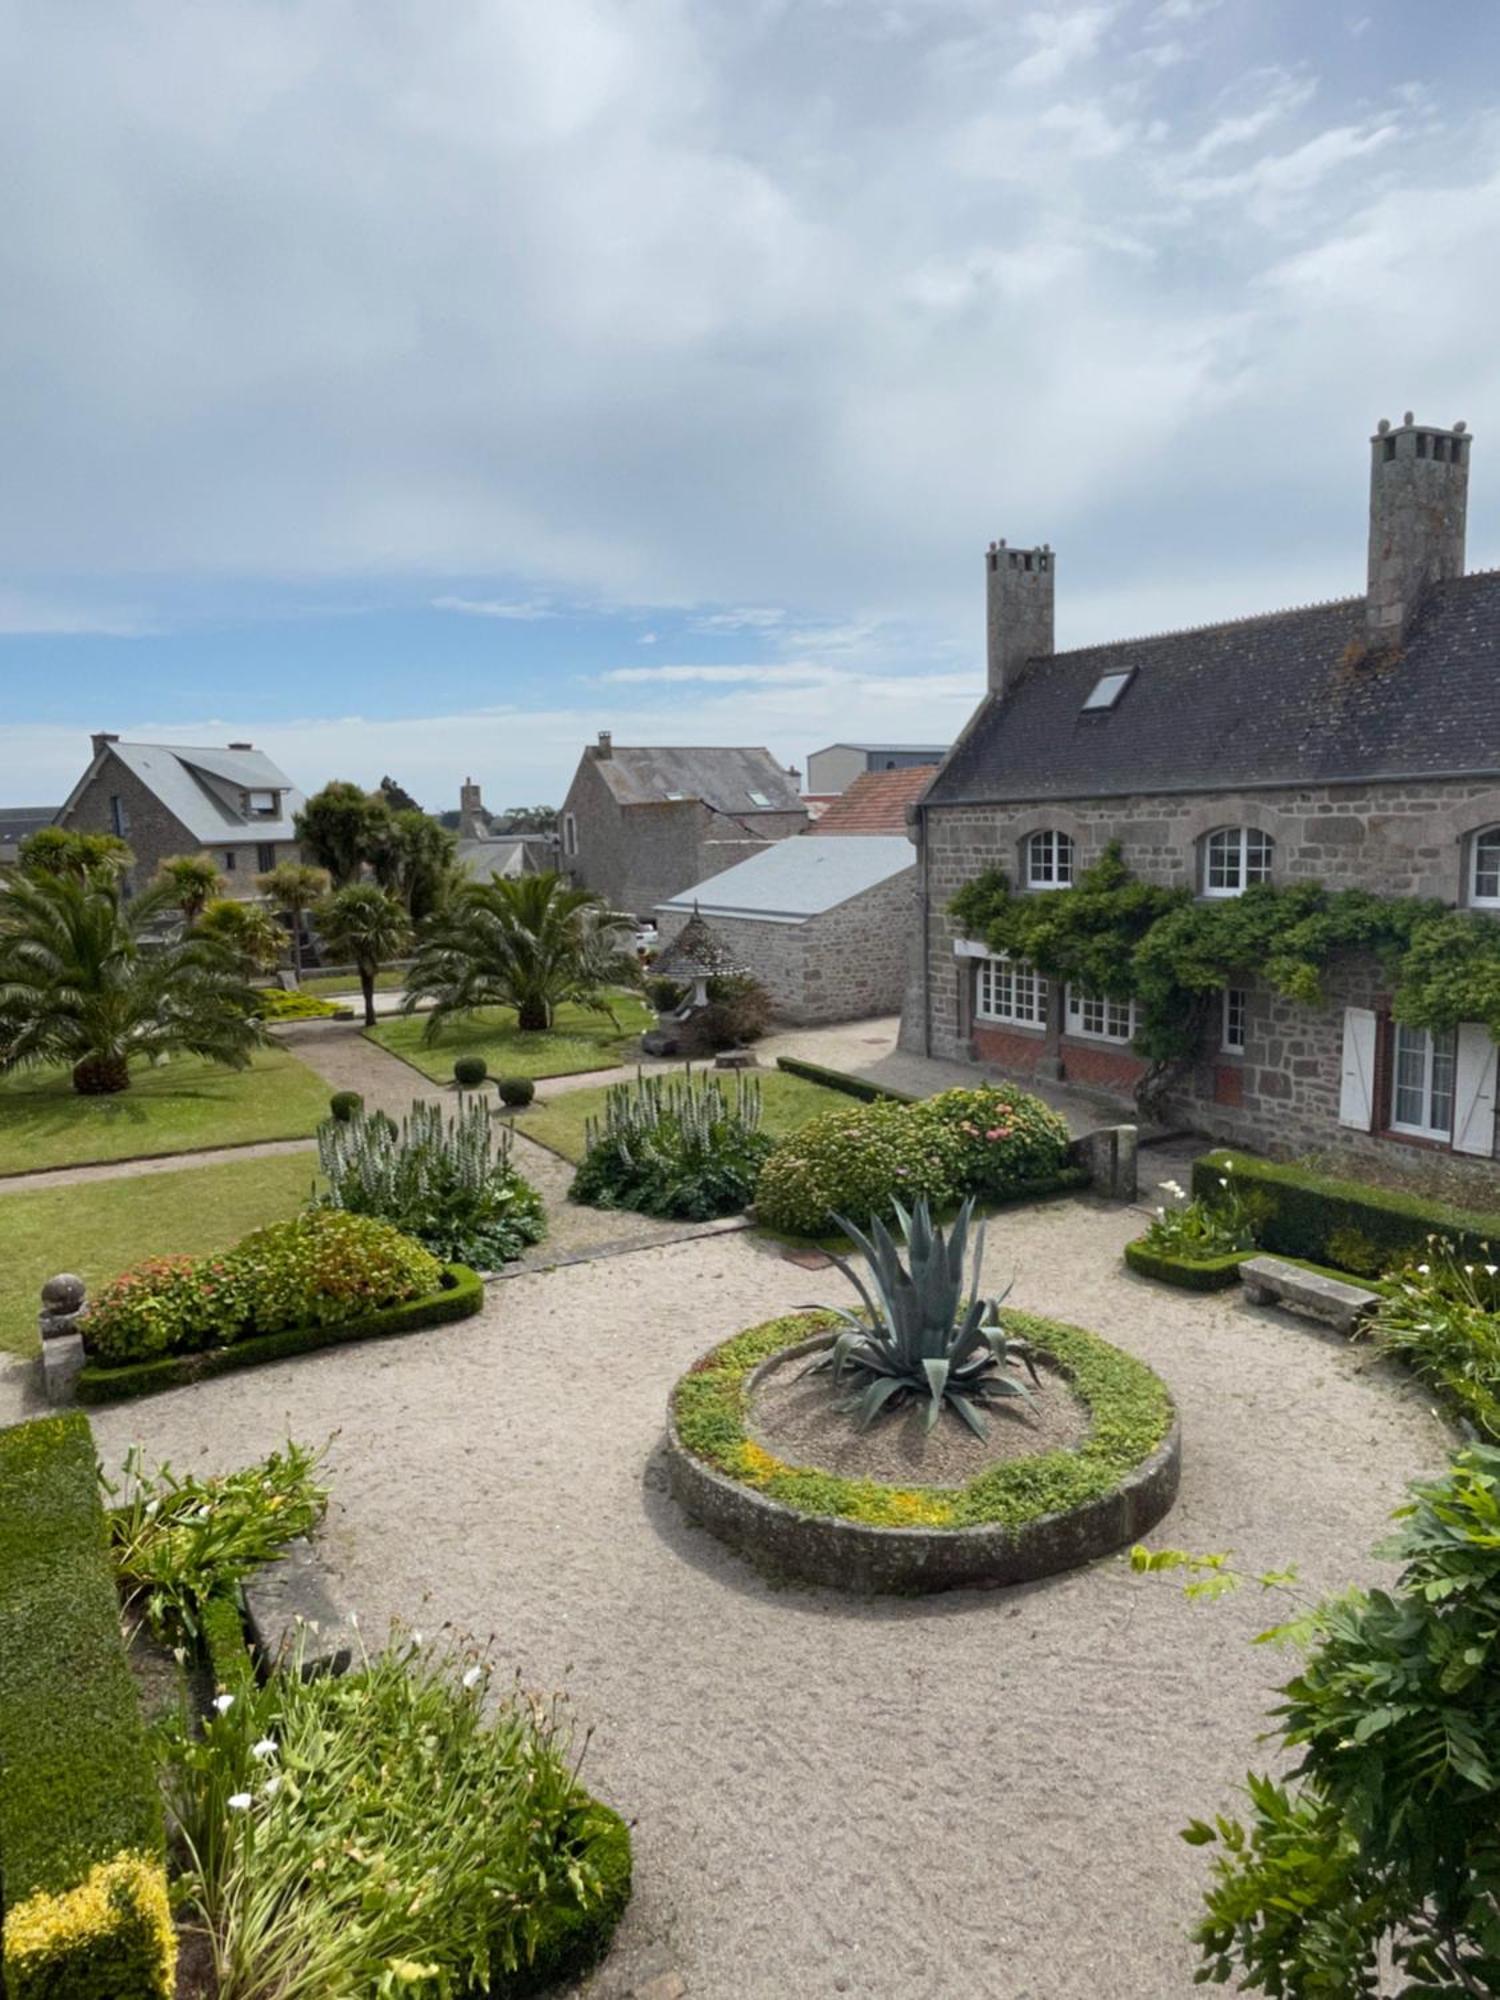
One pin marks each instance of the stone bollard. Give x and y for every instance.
(63, 1302)
(1109, 1153)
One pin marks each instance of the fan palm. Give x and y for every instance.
(364, 926)
(83, 983)
(292, 888)
(530, 942)
(193, 881)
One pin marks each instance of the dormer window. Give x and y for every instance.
(1235, 857)
(1484, 870)
(1049, 860)
(262, 805)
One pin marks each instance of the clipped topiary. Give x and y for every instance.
(516, 1091)
(470, 1071)
(346, 1104)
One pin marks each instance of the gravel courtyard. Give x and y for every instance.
(972, 1795)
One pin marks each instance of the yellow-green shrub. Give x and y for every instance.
(109, 1937)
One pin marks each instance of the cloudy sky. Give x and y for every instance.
(420, 388)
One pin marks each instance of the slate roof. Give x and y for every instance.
(798, 878)
(723, 778)
(496, 854)
(876, 802)
(18, 821)
(1286, 699)
(176, 773)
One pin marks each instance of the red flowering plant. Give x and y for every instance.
(1006, 1139)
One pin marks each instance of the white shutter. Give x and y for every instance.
(1474, 1091)
(1357, 1087)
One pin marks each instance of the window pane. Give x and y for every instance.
(1236, 1010)
(1487, 867)
(1224, 860)
(1440, 1110)
(1257, 856)
(1411, 1077)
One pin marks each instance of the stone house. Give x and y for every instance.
(483, 851)
(16, 823)
(1355, 743)
(641, 825)
(834, 768)
(822, 924)
(232, 804)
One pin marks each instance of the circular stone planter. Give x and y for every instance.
(1017, 1520)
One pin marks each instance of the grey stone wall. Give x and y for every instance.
(1282, 1097)
(153, 833)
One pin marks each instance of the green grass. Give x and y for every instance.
(580, 1041)
(788, 1102)
(324, 984)
(182, 1106)
(96, 1228)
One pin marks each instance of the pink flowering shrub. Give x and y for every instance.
(322, 1268)
(1006, 1139)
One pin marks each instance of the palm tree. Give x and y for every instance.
(245, 929)
(365, 926)
(530, 942)
(193, 881)
(82, 983)
(292, 888)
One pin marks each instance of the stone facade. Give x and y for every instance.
(846, 964)
(1281, 1094)
(153, 833)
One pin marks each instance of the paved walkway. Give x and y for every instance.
(970, 1797)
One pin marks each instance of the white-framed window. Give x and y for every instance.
(570, 834)
(1484, 869)
(1011, 991)
(1233, 858)
(1422, 1079)
(1235, 1018)
(1099, 1019)
(1049, 860)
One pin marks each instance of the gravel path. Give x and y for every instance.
(961, 1798)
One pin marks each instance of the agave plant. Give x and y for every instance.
(924, 1332)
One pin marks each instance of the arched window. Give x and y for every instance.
(1484, 869)
(1049, 860)
(1233, 858)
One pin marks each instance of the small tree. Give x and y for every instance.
(529, 819)
(366, 925)
(414, 860)
(397, 797)
(56, 850)
(293, 888)
(342, 828)
(247, 931)
(191, 881)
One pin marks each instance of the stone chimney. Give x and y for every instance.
(1019, 610)
(240, 746)
(473, 821)
(102, 738)
(1419, 500)
(606, 745)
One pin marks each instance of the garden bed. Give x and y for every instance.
(1015, 1519)
(1192, 1274)
(578, 1041)
(461, 1294)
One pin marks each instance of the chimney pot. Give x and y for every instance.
(1019, 611)
(241, 746)
(606, 744)
(1419, 495)
(103, 736)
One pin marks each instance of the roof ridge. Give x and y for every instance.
(1212, 625)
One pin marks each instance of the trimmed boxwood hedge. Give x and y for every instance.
(1130, 1414)
(838, 1079)
(461, 1296)
(1193, 1274)
(81, 1831)
(1300, 1213)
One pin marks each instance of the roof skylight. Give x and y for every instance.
(1107, 690)
(759, 799)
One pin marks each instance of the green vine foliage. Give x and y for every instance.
(1173, 955)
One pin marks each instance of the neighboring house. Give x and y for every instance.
(1353, 744)
(877, 802)
(232, 804)
(822, 924)
(640, 825)
(483, 852)
(834, 769)
(16, 822)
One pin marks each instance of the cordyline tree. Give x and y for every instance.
(293, 888)
(56, 850)
(531, 942)
(191, 882)
(413, 857)
(364, 925)
(250, 933)
(82, 985)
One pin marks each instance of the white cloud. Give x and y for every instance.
(489, 607)
(1063, 37)
(23, 614)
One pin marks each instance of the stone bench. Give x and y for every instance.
(293, 1613)
(1269, 1281)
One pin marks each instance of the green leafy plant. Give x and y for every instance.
(516, 1091)
(176, 1540)
(275, 1003)
(470, 1071)
(738, 1011)
(924, 1333)
(345, 1104)
(1003, 1137)
(192, 881)
(292, 888)
(1381, 1847)
(322, 1268)
(665, 995)
(363, 925)
(251, 935)
(391, 1831)
(446, 1182)
(856, 1163)
(1442, 1317)
(1202, 1229)
(688, 1147)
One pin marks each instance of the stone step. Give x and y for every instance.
(294, 1612)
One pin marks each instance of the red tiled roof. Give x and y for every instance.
(876, 802)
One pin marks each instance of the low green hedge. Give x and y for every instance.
(838, 1079)
(1193, 1274)
(573, 1939)
(81, 1832)
(1130, 1413)
(222, 1640)
(1344, 1224)
(461, 1296)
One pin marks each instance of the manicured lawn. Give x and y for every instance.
(96, 1228)
(787, 1101)
(579, 1041)
(181, 1106)
(323, 984)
